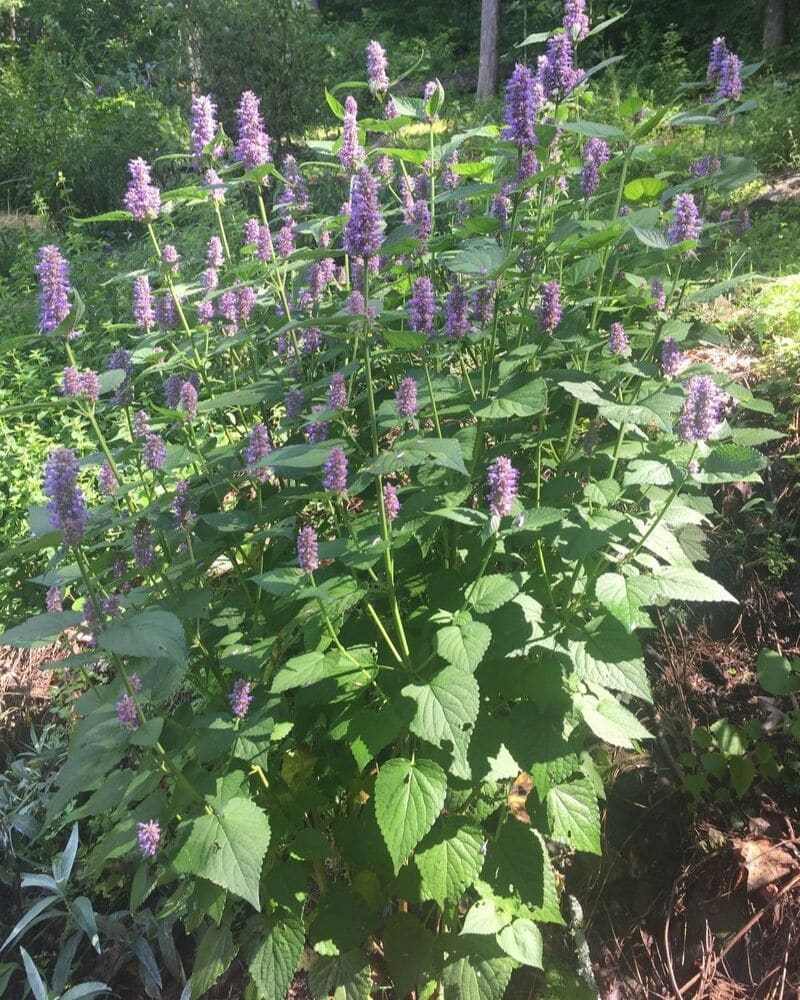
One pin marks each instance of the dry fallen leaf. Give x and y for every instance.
(765, 862)
(517, 796)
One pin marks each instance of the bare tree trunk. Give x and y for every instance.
(774, 25)
(487, 68)
(192, 59)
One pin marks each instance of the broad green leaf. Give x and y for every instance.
(297, 461)
(644, 187)
(625, 596)
(464, 643)
(612, 658)
(593, 129)
(682, 583)
(409, 796)
(492, 592)
(449, 859)
(729, 738)
(518, 865)
(152, 632)
(275, 956)
(480, 256)
(732, 463)
(370, 730)
(344, 977)
(776, 675)
(411, 954)
(447, 708)
(611, 721)
(752, 436)
(522, 941)
(228, 848)
(41, 630)
(215, 952)
(574, 816)
(521, 397)
(476, 978)
(651, 237)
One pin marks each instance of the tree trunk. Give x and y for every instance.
(774, 25)
(487, 68)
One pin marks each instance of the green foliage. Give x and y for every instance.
(291, 754)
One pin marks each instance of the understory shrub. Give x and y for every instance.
(376, 507)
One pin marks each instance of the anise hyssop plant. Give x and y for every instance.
(380, 501)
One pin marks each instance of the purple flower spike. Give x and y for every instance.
(215, 185)
(524, 98)
(551, 312)
(171, 257)
(336, 472)
(67, 506)
(456, 308)
(351, 153)
(154, 452)
(258, 447)
(716, 57)
(252, 228)
(659, 296)
(422, 306)
(701, 412)
(363, 232)
(377, 76)
(729, 85)
(576, 21)
(596, 152)
(240, 698)
(142, 547)
(52, 602)
(337, 392)
(391, 503)
(126, 712)
(293, 401)
(406, 398)
(317, 430)
(143, 198)
(182, 505)
(672, 357)
(618, 340)
(149, 836)
(204, 127)
(502, 486)
(307, 550)
(294, 194)
(686, 224)
(143, 314)
(187, 401)
(107, 482)
(71, 382)
(54, 288)
(252, 149)
(90, 385)
(558, 75)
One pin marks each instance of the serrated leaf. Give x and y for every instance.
(574, 816)
(624, 597)
(776, 675)
(410, 951)
(228, 848)
(732, 463)
(611, 721)
(345, 977)
(522, 941)
(492, 592)
(612, 658)
(215, 952)
(152, 632)
(449, 860)
(654, 238)
(475, 978)
(447, 708)
(518, 866)
(276, 955)
(521, 397)
(464, 643)
(682, 583)
(409, 796)
(479, 257)
(41, 630)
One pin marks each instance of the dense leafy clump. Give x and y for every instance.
(380, 502)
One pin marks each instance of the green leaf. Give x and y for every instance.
(732, 463)
(215, 952)
(593, 129)
(480, 256)
(152, 632)
(476, 978)
(409, 796)
(776, 675)
(644, 187)
(228, 848)
(522, 941)
(410, 950)
(492, 592)
(611, 721)
(654, 238)
(574, 816)
(521, 397)
(298, 461)
(624, 597)
(729, 738)
(612, 658)
(276, 955)
(345, 977)
(682, 583)
(447, 709)
(464, 643)
(41, 630)
(743, 772)
(518, 865)
(449, 859)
